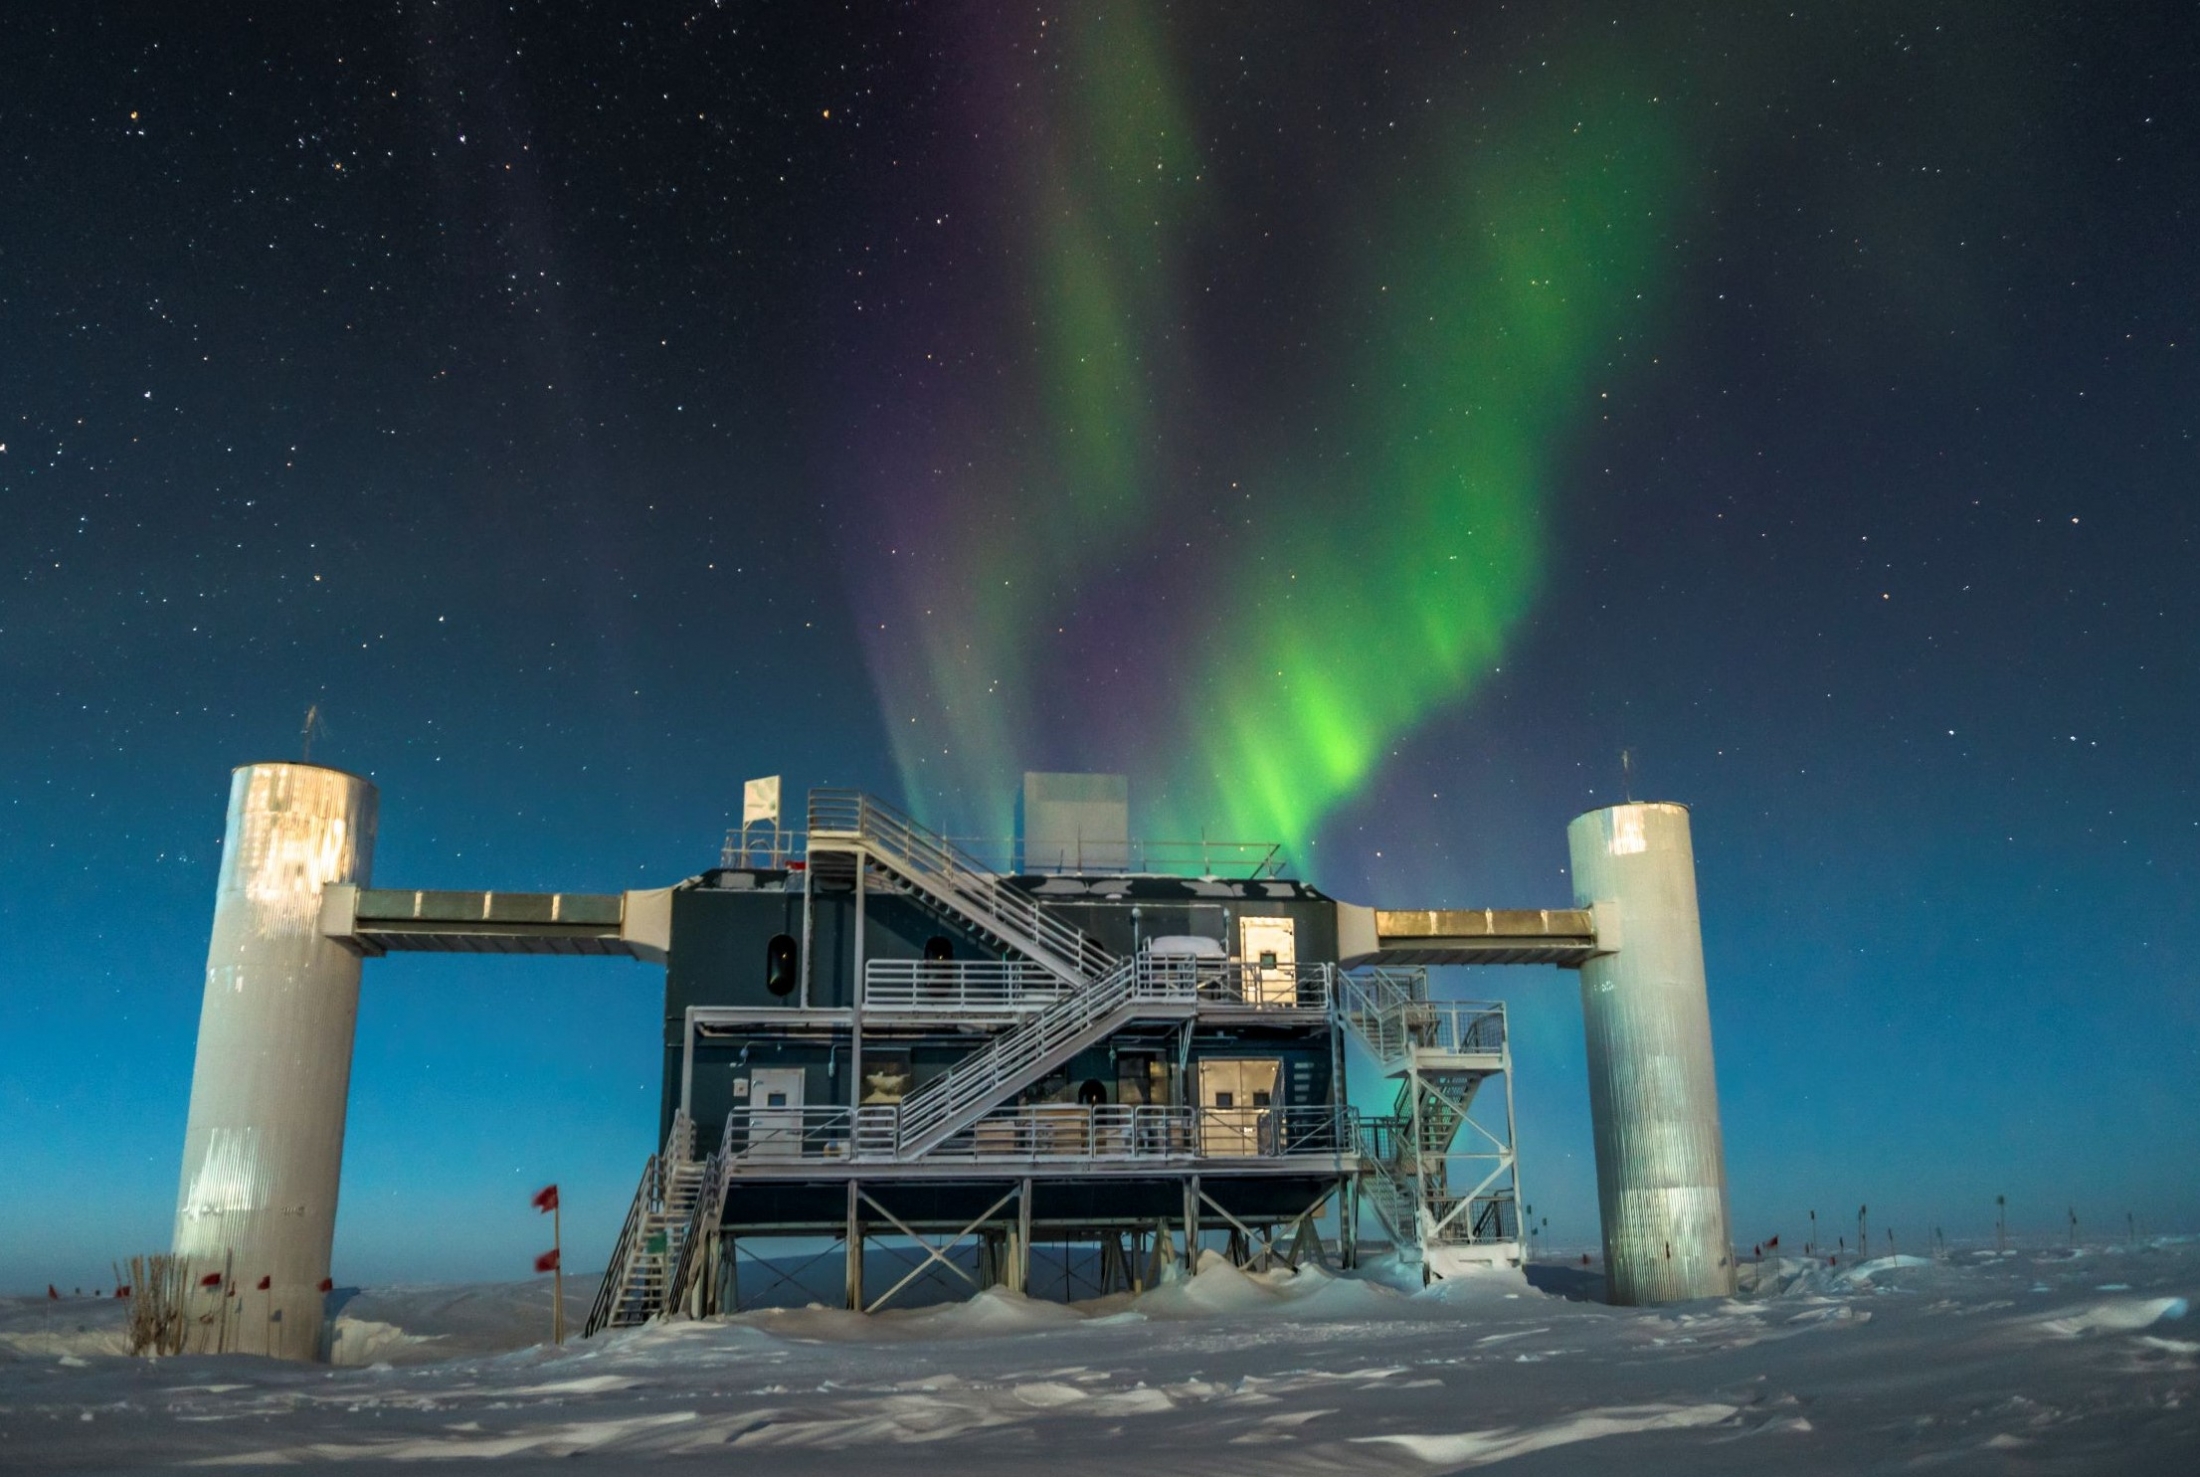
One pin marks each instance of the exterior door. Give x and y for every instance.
(775, 1113)
(1269, 948)
(1235, 1094)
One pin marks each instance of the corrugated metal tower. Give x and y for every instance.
(264, 1147)
(1653, 1096)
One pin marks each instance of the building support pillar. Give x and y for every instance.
(1019, 1254)
(263, 1146)
(1653, 1093)
(854, 1233)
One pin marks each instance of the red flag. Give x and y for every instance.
(53, 1292)
(328, 1284)
(1773, 1244)
(546, 1199)
(547, 1262)
(211, 1279)
(266, 1282)
(123, 1291)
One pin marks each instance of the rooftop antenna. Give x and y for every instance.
(1627, 775)
(307, 730)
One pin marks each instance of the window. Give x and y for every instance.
(938, 949)
(779, 965)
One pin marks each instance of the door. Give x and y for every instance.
(1235, 1094)
(775, 1113)
(1269, 948)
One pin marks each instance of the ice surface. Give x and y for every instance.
(1894, 1364)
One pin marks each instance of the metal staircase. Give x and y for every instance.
(849, 823)
(1442, 1053)
(1139, 988)
(691, 1288)
(639, 1279)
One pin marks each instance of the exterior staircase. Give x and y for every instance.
(1100, 995)
(1441, 1053)
(638, 1283)
(1139, 988)
(844, 822)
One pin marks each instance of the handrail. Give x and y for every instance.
(649, 1198)
(1390, 1011)
(784, 850)
(703, 1220)
(786, 1133)
(614, 1276)
(930, 859)
(1101, 1132)
(1116, 1131)
(958, 986)
(980, 1080)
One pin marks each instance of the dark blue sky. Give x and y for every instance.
(530, 476)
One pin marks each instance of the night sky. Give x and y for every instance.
(1358, 423)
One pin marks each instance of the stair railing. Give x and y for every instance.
(980, 1080)
(622, 1250)
(702, 1228)
(969, 884)
(649, 1197)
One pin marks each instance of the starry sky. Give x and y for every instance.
(1357, 423)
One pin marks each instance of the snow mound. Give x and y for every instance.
(1479, 1448)
(358, 1342)
(1479, 1285)
(993, 1313)
(2116, 1315)
(40, 1328)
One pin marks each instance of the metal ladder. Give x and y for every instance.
(1136, 988)
(978, 896)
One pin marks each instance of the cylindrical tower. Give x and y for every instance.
(265, 1142)
(1653, 1098)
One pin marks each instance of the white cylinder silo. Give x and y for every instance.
(1653, 1095)
(263, 1149)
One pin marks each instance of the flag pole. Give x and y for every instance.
(557, 1249)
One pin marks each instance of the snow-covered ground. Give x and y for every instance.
(2034, 1362)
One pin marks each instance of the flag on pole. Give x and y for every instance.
(328, 1284)
(123, 1291)
(546, 1199)
(760, 801)
(211, 1279)
(53, 1293)
(548, 1261)
(265, 1283)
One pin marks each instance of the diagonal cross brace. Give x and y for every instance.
(932, 1253)
(1256, 1244)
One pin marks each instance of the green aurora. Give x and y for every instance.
(1493, 294)
(1384, 597)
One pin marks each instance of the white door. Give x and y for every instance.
(775, 1113)
(1269, 948)
(1235, 1093)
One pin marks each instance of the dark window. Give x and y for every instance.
(1225, 1099)
(1091, 1093)
(938, 949)
(779, 964)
